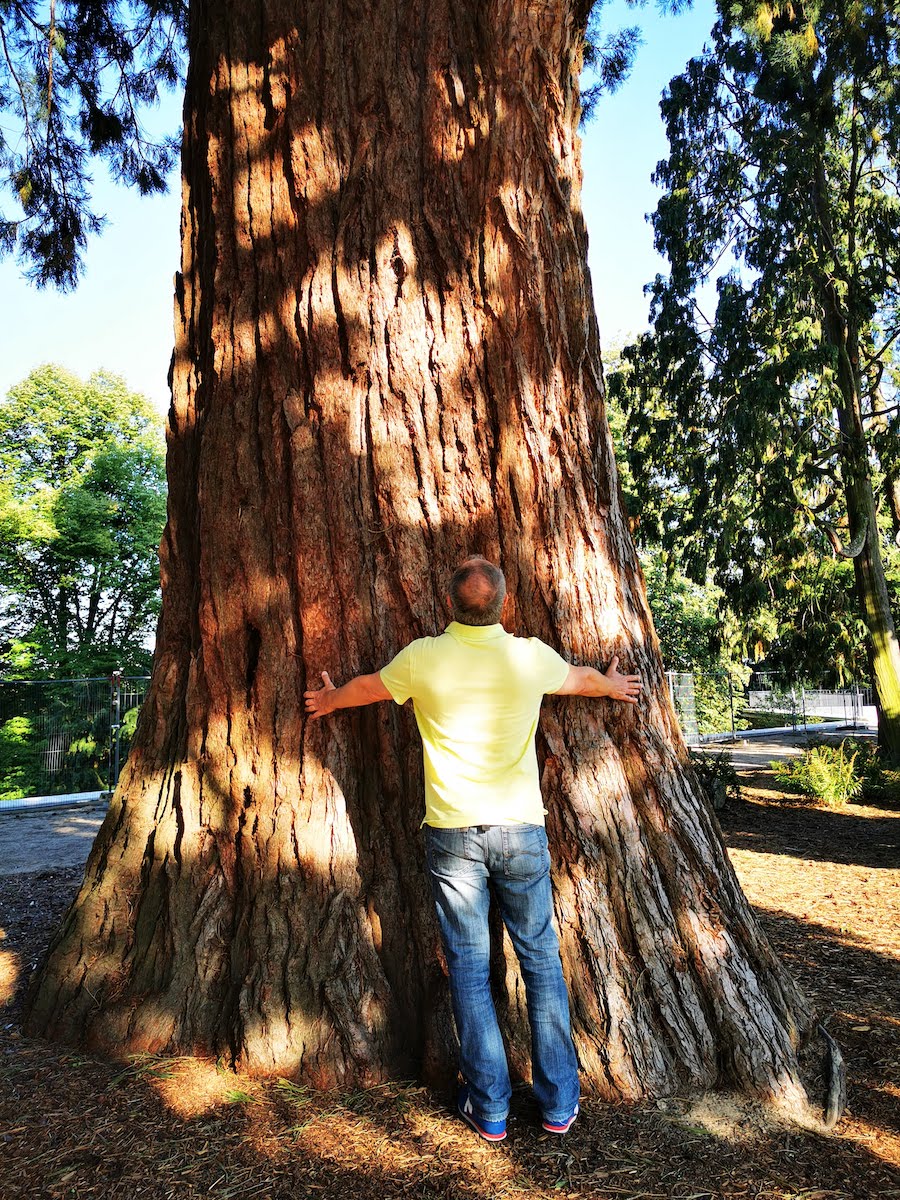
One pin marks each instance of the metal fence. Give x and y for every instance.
(70, 737)
(715, 703)
(684, 700)
(800, 702)
(65, 737)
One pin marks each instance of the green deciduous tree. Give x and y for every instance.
(698, 633)
(82, 507)
(765, 431)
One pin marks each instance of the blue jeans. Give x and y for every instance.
(515, 858)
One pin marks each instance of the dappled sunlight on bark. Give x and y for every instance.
(386, 359)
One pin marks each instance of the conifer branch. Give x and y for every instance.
(855, 547)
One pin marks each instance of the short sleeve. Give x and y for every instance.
(551, 668)
(397, 676)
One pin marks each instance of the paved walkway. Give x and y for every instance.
(45, 841)
(756, 753)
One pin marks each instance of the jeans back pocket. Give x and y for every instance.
(525, 853)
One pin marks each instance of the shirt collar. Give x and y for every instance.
(475, 633)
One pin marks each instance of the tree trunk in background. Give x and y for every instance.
(892, 495)
(840, 309)
(872, 593)
(875, 605)
(386, 359)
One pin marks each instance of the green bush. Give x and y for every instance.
(77, 745)
(20, 758)
(85, 766)
(830, 773)
(880, 784)
(716, 776)
(713, 704)
(877, 783)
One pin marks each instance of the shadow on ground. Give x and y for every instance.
(74, 1126)
(800, 830)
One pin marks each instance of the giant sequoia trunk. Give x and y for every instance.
(387, 358)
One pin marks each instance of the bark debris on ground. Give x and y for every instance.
(826, 887)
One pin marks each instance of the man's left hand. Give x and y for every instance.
(622, 687)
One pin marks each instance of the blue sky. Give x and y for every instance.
(120, 318)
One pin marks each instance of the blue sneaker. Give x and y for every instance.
(491, 1131)
(560, 1126)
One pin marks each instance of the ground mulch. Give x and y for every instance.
(827, 889)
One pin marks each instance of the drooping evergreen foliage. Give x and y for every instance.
(75, 78)
(762, 409)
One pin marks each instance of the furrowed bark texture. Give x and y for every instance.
(386, 359)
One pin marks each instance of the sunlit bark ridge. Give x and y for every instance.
(387, 358)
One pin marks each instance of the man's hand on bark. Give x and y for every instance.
(362, 689)
(610, 684)
(318, 700)
(623, 687)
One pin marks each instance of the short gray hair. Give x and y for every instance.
(477, 592)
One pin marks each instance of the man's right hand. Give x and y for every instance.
(319, 700)
(362, 689)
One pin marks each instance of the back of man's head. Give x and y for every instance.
(477, 591)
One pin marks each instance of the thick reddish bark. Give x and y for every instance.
(387, 358)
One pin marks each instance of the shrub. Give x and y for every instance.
(712, 702)
(20, 758)
(716, 776)
(880, 784)
(830, 773)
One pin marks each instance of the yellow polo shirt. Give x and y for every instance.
(477, 693)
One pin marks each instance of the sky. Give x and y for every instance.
(120, 316)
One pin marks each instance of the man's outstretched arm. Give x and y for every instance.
(363, 689)
(587, 681)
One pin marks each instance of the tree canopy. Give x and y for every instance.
(763, 430)
(75, 78)
(82, 507)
